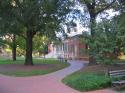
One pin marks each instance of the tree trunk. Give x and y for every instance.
(14, 48)
(92, 60)
(92, 24)
(28, 59)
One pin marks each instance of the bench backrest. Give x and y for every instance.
(117, 73)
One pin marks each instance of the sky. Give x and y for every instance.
(110, 14)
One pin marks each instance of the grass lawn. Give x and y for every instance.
(87, 81)
(41, 66)
(91, 77)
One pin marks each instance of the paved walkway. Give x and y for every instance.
(50, 83)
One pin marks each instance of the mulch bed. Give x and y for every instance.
(20, 67)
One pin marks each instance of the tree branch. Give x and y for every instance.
(105, 7)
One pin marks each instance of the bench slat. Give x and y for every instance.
(118, 82)
(116, 74)
(116, 71)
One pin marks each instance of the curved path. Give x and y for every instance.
(50, 83)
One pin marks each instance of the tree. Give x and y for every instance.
(37, 16)
(94, 8)
(109, 41)
(9, 29)
(9, 26)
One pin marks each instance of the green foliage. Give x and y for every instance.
(27, 18)
(21, 43)
(108, 42)
(94, 8)
(87, 81)
(7, 40)
(40, 43)
(20, 52)
(40, 16)
(2, 42)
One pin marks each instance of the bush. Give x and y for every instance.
(104, 60)
(87, 81)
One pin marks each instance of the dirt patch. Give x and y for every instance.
(20, 67)
(102, 68)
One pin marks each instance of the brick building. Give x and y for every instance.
(71, 48)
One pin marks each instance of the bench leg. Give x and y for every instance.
(118, 86)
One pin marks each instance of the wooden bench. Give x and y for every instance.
(120, 63)
(117, 78)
